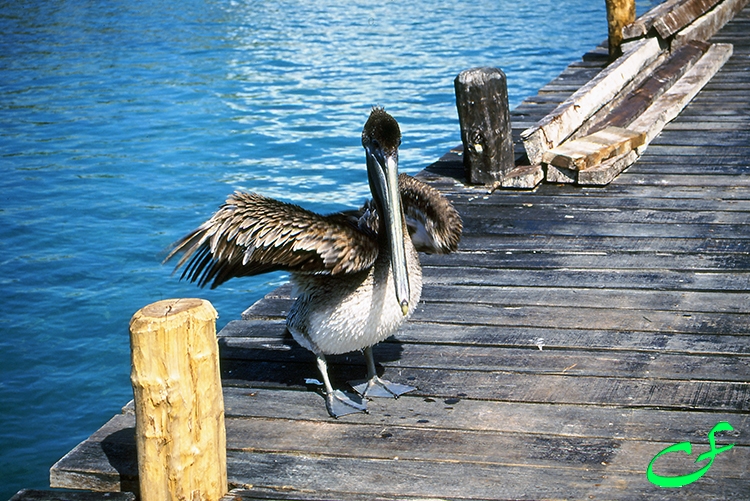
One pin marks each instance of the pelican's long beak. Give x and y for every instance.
(383, 174)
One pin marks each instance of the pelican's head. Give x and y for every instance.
(381, 138)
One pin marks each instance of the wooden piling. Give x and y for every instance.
(179, 407)
(620, 13)
(484, 116)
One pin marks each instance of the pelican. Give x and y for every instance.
(356, 274)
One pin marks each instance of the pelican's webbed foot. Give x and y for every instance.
(374, 386)
(377, 387)
(340, 403)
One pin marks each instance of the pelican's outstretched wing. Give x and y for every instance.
(434, 224)
(252, 234)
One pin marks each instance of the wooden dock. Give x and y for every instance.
(578, 332)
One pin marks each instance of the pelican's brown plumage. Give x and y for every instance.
(252, 234)
(356, 274)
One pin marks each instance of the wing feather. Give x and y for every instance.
(434, 224)
(252, 234)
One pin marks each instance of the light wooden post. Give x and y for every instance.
(620, 13)
(179, 406)
(484, 116)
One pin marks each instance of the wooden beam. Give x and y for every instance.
(607, 171)
(658, 82)
(524, 177)
(179, 407)
(599, 119)
(671, 103)
(643, 24)
(707, 25)
(591, 150)
(568, 116)
(681, 15)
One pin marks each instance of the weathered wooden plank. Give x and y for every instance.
(689, 168)
(458, 413)
(663, 208)
(605, 173)
(577, 338)
(407, 443)
(654, 307)
(703, 123)
(643, 392)
(669, 105)
(401, 426)
(601, 243)
(633, 259)
(598, 260)
(591, 150)
(566, 317)
(596, 175)
(106, 461)
(644, 23)
(583, 390)
(40, 495)
(525, 176)
(630, 197)
(658, 81)
(524, 336)
(594, 121)
(499, 385)
(580, 228)
(738, 184)
(568, 116)
(681, 15)
(603, 363)
(706, 26)
(271, 494)
(509, 213)
(655, 280)
(327, 477)
(734, 141)
(708, 150)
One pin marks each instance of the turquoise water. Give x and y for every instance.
(125, 124)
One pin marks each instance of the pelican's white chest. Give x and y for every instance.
(339, 314)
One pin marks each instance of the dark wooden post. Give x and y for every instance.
(482, 102)
(619, 13)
